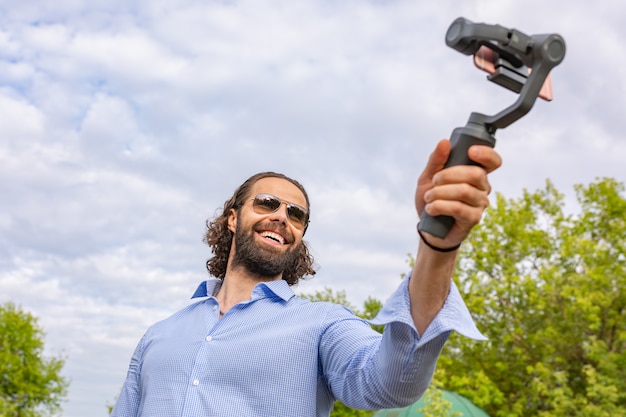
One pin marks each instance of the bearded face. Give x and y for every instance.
(265, 261)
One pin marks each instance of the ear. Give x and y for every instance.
(232, 220)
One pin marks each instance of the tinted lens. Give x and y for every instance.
(265, 203)
(297, 214)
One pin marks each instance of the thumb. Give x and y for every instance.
(436, 161)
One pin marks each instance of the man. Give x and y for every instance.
(250, 347)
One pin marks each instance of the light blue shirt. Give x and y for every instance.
(281, 355)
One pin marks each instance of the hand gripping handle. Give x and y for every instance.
(474, 133)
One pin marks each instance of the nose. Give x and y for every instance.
(280, 214)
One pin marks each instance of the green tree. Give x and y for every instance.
(436, 405)
(547, 289)
(31, 385)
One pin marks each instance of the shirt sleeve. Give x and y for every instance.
(369, 371)
(454, 315)
(130, 397)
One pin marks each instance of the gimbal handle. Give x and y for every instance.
(515, 50)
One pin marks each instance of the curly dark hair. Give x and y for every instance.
(220, 238)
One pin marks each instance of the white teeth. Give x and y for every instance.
(274, 236)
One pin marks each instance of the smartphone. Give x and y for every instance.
(484, 59)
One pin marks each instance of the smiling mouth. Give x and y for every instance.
(273, 236)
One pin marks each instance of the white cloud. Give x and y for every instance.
(21, 121)
(133, 56)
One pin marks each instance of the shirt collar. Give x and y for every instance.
(278, 288)
(207, 288)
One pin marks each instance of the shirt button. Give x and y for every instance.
(214, 308)
(196, 382)
(209, 338)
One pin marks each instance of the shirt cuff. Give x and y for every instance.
(454, 315)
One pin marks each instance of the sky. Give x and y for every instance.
(125, 125)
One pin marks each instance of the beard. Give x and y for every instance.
(265, 262)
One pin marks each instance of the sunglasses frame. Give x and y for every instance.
(257, 201)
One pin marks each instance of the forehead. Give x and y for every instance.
(281, 188)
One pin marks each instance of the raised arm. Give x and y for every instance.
(461, 192)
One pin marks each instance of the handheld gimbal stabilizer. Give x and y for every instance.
(522, 64)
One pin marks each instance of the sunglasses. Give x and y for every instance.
(266, 203)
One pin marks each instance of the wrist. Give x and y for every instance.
(433, 247)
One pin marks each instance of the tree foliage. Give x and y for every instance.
(547, 289)
(31, 385)
(436, 405)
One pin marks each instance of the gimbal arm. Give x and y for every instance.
(515, 50)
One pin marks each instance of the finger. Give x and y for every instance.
(487, 157)
(467, 174)
(463, 193)
(464, 215)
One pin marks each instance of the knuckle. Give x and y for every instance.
(466, 192)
